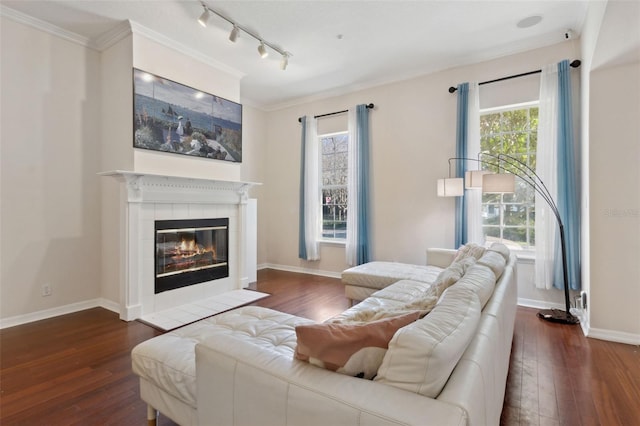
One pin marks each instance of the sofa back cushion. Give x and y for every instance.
(494, 261)
(501, 249)
(422, 355)
(481, 280)
(469, 250)
(451, 274)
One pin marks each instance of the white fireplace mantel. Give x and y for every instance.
(156, 188)
(147, 197)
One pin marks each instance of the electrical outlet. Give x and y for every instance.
(46, 290)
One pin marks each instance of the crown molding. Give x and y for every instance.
(182, 48)
(41, 25)
(111, 37)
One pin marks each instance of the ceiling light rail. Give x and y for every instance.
(235, 33)
(574, 64)
(369, 106)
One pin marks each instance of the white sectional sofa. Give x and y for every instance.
(447, 368)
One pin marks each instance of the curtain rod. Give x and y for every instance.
(370, 106)
(575, 64)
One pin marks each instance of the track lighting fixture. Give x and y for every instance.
(285, 61)
(235, 33)
(233, 36)
(262, 50)
(202, 20)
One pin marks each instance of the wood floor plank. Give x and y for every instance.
(76, 369)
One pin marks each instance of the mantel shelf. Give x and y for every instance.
(129, 175)
(150, 187)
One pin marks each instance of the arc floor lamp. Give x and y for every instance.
(504, 182)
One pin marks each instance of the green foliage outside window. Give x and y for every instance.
(510, 218)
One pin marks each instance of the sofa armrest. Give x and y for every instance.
(242, 383)
(440, 257)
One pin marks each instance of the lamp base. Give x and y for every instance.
(556, 315)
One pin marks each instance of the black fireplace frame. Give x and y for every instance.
(172, 282)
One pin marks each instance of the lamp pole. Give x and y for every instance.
(528, 175)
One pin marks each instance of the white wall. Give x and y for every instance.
(49, 159)
(115, 153)
(412, 136)
(611, 100)
(615, 199)
(254, 146)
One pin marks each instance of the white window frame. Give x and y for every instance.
(322, 238)
(529, 250)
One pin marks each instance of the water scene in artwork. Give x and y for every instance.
(172, 117)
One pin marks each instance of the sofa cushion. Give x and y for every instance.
(371, 309)
(501, 249)
(452, 274)
(422, 355)
(371, 303)
(481, 280)
(351, 349)
(469, 250)
(494, 261)
(378, 275)
(405, 291)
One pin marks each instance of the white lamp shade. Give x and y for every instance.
(450, 187)
(473, 178)
(499, 183)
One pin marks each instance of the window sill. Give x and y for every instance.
(526, 257)
(339, 243)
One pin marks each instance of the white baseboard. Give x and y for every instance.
(539, 304)
(595, 333)
(298, 269)
(614, 336)
(60, 310)
(109, 305)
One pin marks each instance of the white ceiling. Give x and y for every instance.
(382, 41)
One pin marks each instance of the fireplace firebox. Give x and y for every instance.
(190, 251)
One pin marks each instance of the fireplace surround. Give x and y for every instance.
(146, 198)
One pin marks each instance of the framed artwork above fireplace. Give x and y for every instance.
(174, 118)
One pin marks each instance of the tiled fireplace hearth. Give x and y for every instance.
(148, 199)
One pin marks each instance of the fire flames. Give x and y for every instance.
(189, 248)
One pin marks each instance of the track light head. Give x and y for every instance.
(285, 61)
(202, 20)
(233, 36)
(262, 50)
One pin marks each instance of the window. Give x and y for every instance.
(512, 130)
(334, 166)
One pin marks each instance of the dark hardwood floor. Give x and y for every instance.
(76, 369)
